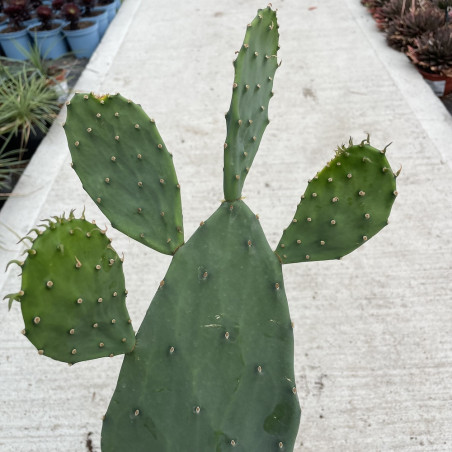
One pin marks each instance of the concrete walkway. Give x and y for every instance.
(373, 332)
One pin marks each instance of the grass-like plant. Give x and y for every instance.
(28, 104)
(10, 166)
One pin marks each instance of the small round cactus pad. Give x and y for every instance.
(73, 293)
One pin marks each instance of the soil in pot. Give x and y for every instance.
(81, 26)
(13, 41)
(38, 28)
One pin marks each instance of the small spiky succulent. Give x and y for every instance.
(443, 4)
(45, 16)
(71, 12)
(393, 10)
(433, 51)
(87, 5)
(374, 4)
(402, 32)
(57, 5)
(17, 12)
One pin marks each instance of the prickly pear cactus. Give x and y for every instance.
(73, 293)
(212, 365)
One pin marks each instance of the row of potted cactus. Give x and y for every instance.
(56, 26)
(422, 29)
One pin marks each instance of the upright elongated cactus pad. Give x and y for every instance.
(213, 365)
(125, 167)
(247, 117)
(73, 293)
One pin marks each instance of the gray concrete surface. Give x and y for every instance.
(373, 331)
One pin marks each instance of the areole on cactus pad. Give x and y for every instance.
(211, 367)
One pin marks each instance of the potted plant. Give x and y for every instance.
(29, 104)
(111, 6)
(393, 10)
(14, 36)
(82, 34)
(403, 31)
(374, 7)
(3, 16)
(99, 15)
(10, 167)
(446, 6)
(432, 55)
(56, 7)
(47, 34)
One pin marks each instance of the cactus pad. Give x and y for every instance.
(73, 293)
(213, 364)
(119, 156)
(247, 117)
(345, 205)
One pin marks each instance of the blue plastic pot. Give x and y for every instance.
(111, 8)
(15, 44)
(51, 43)
(83, 42)
(101, 19)
(30, 22)
(118, 4)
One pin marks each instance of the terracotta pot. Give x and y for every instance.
(440, 84)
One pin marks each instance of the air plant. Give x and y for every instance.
(10, 165)
(28, 104)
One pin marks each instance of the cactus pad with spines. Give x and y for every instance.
(123, 164)
(247, 117)
(344, 205)
(73, 293)
(213, 362)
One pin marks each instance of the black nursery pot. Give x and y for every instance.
(33, 142)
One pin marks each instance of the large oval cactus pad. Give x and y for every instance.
(345, 205)
(124, 166)
(73, 293)
(247, 117)
(213, 364)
